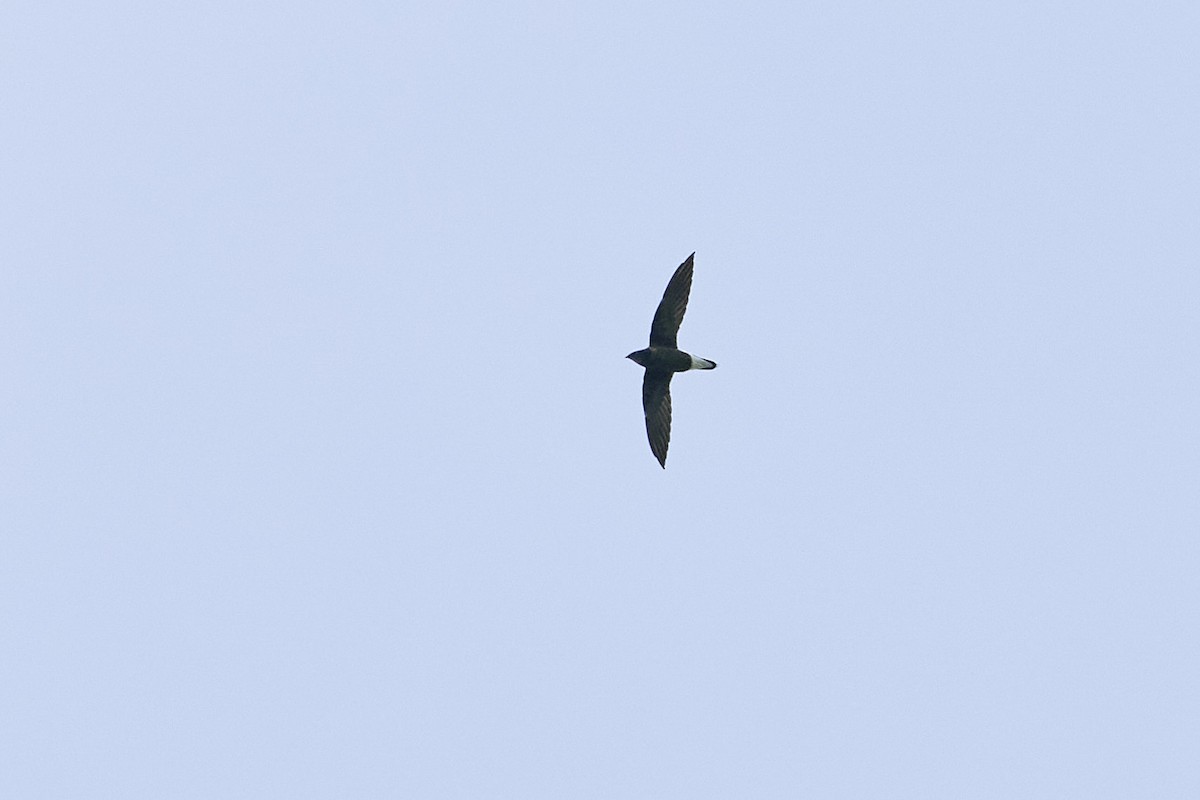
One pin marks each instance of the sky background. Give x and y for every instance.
(323, 474)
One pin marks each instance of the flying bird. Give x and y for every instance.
(662, 359)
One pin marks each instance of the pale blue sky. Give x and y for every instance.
(324, 474)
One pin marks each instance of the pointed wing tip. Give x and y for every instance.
(660, 457)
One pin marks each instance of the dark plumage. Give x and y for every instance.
(662, 359)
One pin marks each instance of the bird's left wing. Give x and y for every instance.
(669, 315)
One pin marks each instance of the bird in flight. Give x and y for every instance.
(662, 359)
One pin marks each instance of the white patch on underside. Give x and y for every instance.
(701, 363)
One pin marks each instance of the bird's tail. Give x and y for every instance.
(703, 363)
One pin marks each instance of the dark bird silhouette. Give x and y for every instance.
(662, 359)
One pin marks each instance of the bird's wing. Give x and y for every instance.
(670, 309)
(656, 401)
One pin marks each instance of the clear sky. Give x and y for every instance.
(324, 474)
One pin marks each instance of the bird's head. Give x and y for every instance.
(639, 356)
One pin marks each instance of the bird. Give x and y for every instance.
(663, 358)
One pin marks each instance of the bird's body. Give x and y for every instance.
(669, 359)
(662, 359)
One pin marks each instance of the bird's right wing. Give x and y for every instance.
(669, 315)
(656, 402)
